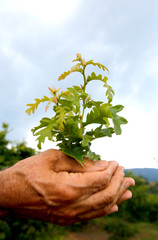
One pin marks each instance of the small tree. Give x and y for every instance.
(74, 110)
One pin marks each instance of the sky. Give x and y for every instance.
(39, 40)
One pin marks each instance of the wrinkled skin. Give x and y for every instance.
(52, 187)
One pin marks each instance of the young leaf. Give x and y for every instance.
(76, 68)
(109, 93)
(101, 66)
(73, 97)
(34, 106)
(117, 120)
(46, 132)
(100, 132)
(64, 75)
(98, 114)
(75, 151)
(92, 155)
(71, 129)
(93, 76)
(95, 116)
(115, 109)
(86, 140)
(60, 117)
(43, 123)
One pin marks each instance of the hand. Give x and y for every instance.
(51, 186)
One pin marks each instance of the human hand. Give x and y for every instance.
(51, 186)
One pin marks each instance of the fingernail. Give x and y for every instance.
(130, 195)
(116, 208)
(130, 183)
(100, 163)
(114, 162)
(133, 182)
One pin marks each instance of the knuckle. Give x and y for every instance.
(107, 179)
(73, 213)
(110, 197)
(50, 151)
(104, 180)
(70, 213)
(70, 194)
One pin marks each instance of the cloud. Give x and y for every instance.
(39, 41)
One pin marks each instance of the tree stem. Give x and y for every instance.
(83, 89)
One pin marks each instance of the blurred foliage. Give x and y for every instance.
(143, 207)
(10, 152)
(120, 228)
(17, 228)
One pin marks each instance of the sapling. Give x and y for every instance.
(74, 110)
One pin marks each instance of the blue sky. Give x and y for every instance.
(39, 39)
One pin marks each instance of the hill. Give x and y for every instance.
(151, 174)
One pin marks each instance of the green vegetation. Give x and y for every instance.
(138, 216)
(120, 228)
(68, 126)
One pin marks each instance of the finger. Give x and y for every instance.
(106, 211)
(112, 206)
(88, 183)
(69, 164)
(112, 210)
(106, 196)
(98, 213)
(127, 182)
(125, 196)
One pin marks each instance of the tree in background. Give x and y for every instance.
(12, 227)
(10, 153)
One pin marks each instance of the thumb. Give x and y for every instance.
(64, 162)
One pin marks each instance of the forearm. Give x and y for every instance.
(3, 211)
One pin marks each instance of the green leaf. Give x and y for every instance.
(78, 89)
(101, 66)
(75, 68)
(73, 97)
(84, 95)
(117, 120)
(64, 75)
(68, 106)
(86, 140)
(92, 155)
(98, 114)
(109, 92)
(34, 106)
(92, 103)
(93, 76)
(76, 151)
(105, 110)
(115, 109)
(100, 132)
(46, 132)
(123, 120)
(43, 123)
(94, 116)
(60, 117)
(71, 129)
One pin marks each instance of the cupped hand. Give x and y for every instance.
(52, 187)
